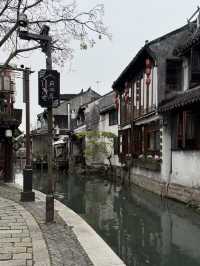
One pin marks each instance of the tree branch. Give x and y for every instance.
(33, 5)
(5, 7)
(8, 34)
(19, 51)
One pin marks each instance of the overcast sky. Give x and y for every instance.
(131, 22)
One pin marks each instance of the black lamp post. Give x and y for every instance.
(46, 43)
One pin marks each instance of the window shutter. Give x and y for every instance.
(173, 74)
(137, 140)
(195, 65)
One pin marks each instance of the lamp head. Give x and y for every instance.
(23, 20)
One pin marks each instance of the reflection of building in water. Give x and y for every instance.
(140, 228)
(100, 209)
(151, 233)
(74, 188)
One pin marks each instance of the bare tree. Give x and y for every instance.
(66, 21)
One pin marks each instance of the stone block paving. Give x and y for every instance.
(61, 245)
(15, 240)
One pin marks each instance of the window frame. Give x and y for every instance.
(113, 117)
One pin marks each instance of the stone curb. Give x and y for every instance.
(40, 251)
(96, 248)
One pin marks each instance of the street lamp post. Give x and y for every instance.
(49, 196)
(46, 43)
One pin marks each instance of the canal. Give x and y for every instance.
(138, 226)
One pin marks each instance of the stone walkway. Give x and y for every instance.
(21, 239)
(25, 238)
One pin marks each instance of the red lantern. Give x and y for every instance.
(116, 102)
(126, 84)
(148, 63)
(148, 71)
(126, 95)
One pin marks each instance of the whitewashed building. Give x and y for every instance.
(100, 116)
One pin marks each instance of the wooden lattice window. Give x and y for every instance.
(152, 139)
(137, 141)
(173, 74)
(195, 65)
(113, 117)
(188, 131)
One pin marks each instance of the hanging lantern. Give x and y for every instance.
(148, 68)
(126, 95)
(116, 100)
(148, 63)
(126, 84)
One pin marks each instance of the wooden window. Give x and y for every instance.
(152, 139)
(137, 141)
(125, 111)
(195, 65)
(113, 118)
(60, 121)
(187, 131)
(173, 74)
(125, 143)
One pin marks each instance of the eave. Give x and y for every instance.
(181, 101)
(133, 67)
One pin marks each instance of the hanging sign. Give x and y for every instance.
(48, 88)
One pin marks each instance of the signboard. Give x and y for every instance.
(48, 88)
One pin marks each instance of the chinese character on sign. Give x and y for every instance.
(49, 88)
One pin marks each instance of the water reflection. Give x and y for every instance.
(139, 227)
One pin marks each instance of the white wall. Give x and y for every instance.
(104, 126)
(186, 168)
(155, 86)
(185, 74)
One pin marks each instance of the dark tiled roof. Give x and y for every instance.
(187, 98)
(133, 66)
(145, 50)
(106, 103)
(192, 39)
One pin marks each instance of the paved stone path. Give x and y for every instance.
(25, 238)
(21, 240)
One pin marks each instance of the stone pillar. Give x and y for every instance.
(166, 145)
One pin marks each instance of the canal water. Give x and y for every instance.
(138, 226)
